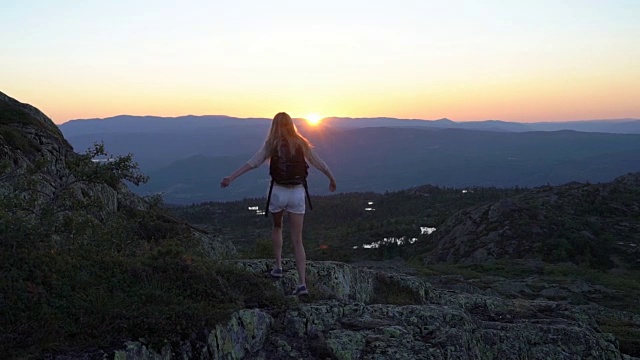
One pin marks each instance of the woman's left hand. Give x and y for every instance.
(225, 182)
(332, 186)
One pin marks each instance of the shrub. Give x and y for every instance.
(76, 274)
(388, 291)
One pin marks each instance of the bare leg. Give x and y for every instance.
(276, 236)
(295, 225)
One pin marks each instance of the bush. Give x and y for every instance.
(628, 337)
(16, 139)
(262, 249)
(388, 291)
(57, 301)
(76, 274)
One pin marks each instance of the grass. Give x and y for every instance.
(55, 302)
(503, 268)
(388, 291)
(16, 139)
(627, 281)
(628, 335)
(261, 249)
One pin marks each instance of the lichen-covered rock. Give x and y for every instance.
(344, 282)
(439, 331)
(214, 246)
(346, 345)
(138, 351)
(245, 333)
(447, 325)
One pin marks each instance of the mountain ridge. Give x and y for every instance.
(579, 125)
(387, 159)
(407, 154)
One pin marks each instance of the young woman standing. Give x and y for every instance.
(289, 198)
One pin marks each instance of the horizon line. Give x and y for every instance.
(354, 118)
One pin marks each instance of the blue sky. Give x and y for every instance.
(465, 60)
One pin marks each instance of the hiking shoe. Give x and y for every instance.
(276, 273)
(300, 290)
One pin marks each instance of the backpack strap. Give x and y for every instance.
(306, 190)
(266, 211)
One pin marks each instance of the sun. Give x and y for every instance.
(313, 119)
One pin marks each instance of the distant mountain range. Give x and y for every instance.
(133, 124)
(187, 156)
(616, 126)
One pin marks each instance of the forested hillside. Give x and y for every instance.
(392, 159)
(576, 243)
(338, 223)
(186, 157)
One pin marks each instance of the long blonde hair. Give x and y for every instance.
(282, 127)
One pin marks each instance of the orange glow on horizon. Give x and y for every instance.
(516, 100)
(313, 119)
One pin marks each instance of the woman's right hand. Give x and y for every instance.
(225, 182)
(332, 186)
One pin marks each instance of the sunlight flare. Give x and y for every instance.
(313, 119)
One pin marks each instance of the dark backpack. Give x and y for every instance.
(288, 167)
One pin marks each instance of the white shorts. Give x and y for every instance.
(291, 199)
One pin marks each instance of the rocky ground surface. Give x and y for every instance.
(357, 312)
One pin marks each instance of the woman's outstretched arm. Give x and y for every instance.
(241, 170)
(253, 163)
(319, 164)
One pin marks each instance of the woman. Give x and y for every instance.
(286, 198)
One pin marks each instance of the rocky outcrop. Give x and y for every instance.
(244, 334)
(336, 280)
(30, 140)
(554, 223)
(26, 117)
(345, 319)
(437, 331)
(214, 246)
(36, 167)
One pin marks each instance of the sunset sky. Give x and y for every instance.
(543, 60)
